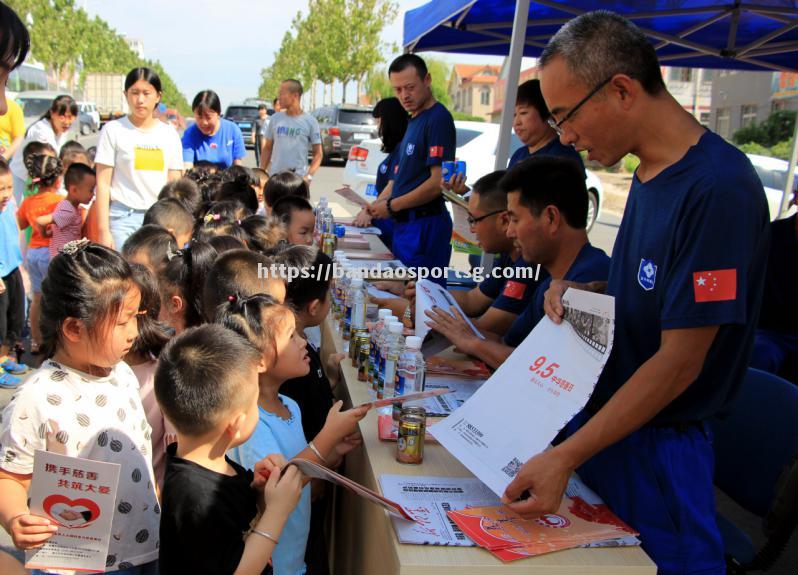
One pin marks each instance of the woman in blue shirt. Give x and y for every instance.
(392, 119)
(212, 138)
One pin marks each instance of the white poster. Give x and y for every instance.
(79, 495)
(429, 295)
(545, 382)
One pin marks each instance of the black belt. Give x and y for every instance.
(433, 208)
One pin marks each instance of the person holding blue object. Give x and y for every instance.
(413, 199)
(687, 274)
(393, 120)
(531, 127)
(212, 138)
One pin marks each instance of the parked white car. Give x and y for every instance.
(476, 145)
(773, 173)
(90, 109)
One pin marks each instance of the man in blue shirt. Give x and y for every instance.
(547, 210)
(531, 127)
(687, 275)
(413, 199)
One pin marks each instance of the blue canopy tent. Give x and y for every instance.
(754, 35)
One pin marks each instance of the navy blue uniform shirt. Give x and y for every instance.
(691, 252)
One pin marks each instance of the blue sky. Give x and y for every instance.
(220, 45)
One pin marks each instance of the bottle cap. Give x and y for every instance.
(396, 327)
(413, 342)
(384, 312)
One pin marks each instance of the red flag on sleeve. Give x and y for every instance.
(715, 285)
(436, 152)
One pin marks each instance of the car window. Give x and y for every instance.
(35, 106)
(358, 118)
(246, 112)
(767, 177)
(464, 136)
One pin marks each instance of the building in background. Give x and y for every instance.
(740, 99)
(501, 89)
(692, 88)
(137, 45)
(472, 89)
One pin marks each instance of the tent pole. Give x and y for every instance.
(790, 185)
(511, 91)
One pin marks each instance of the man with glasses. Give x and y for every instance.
(499, 299)
(687, 275)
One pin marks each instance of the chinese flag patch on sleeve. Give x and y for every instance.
(513, 289)
(436, 152)
(715, 285)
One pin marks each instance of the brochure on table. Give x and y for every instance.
(352, 196)
(545, 382)
(79, 495)
(429, 295)
(460, 389)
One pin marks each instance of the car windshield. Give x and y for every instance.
(771, 178)
(464, 136)
(357, 118)
(35, 106)
(244, 112)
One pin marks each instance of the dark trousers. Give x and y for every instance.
(12, 309)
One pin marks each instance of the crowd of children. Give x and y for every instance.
(178, 360)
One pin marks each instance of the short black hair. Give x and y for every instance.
(233, 273)
(155, 241)
(262, 107)
(239, 189)
(529, 94)
(550, 181)
(4, 167)
(76, 173)
(265, 232)
(492, 196)
(284, 184)
(201, 375)
(14, 38)
(302, 290)
(405, 61)
(184, 189)
(285, 207)
(226, 243)
(170, 214)
(70, 146)
(206, 100)
(296, 85)
(393, 122)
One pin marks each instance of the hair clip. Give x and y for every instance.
(35, 180)
(212, 217)
(73, 247)
(231, 298)
(141, 312)
(173, 254)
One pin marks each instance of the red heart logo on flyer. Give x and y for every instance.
(71, 513)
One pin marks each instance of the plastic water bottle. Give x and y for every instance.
(358, 300)
(327, 223)
(320, 207)
(379, 358)
(411, 368)
(394, 345)
(375, 335)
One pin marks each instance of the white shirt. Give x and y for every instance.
(141, 160)
(40, 131)
(72, 413)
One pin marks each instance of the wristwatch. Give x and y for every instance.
(391, 213)
(309, 177)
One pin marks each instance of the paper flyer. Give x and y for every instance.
(369, 255)
(356, 231)
(80, 496)
(466, 367)
(428, 295)
(351, 195)
(463, 239)
(406, 398)
(582, 520)
(316, 471)
(428, 499)
(460, 391)
(545, 382)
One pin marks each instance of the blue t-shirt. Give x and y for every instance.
(591, 264)
(274, 434)
(553, 148)
(10, 253)
(226, 145)
(512, 294)
(386, 171)
(429, 141)
(691, 251)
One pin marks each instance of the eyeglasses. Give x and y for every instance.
(472, 221)
(557, 126)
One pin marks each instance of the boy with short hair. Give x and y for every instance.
(207, 385)
(172, 215)
(12, 292)
(263, 178)
(297, 215)
(67, 219)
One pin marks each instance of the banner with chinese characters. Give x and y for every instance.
(79, 495)
(545, 382)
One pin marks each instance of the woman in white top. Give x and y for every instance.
(136, 156)
(52, 128)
